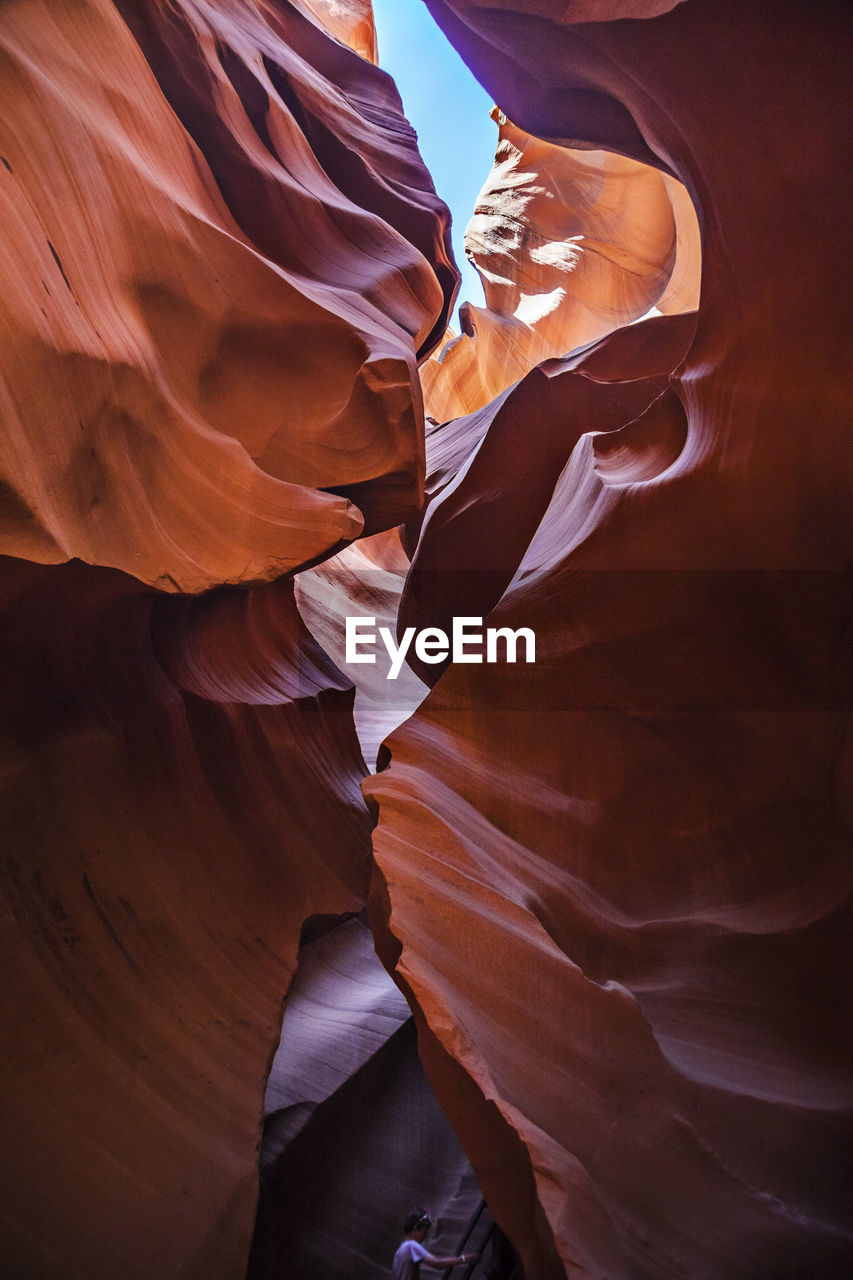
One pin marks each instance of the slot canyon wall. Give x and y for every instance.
(221, 255)
(613, 886)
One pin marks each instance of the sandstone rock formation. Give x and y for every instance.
(221, 256)
(365, 580)
(330, 1204)
(190, 373)
(350, 21)
(616, 884)
(613, 886)
(353, 1137)
(569, 245)
(341, 1008)
(161, 755)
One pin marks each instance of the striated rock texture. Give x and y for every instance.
(334, 1200)
(341, 1008)
(221, 256)
(569, 245)
(616, 883)
(221, 248)
(365, 580)
(614, 886)
(180, 792)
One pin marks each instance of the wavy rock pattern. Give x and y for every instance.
(616, 884)
(222, 253)
(352, 1135)
(333, 1200)
(469, 545)
(187, 369)
(365, 580)
(157, 869)
(341, 1008)
(569, 245)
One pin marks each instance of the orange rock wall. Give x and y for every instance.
(351, 21)
(614, 885)
(189, 373)
(569, 244)
(221, 255)
(617, 883)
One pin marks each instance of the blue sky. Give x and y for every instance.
(448, 109)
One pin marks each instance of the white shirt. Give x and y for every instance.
(406, 1260)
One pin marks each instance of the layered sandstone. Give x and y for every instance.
(195, 380)
(222, 255)
(366, 581)
(569, 244)
(161, 755)
(616, 884)
(351, 21)
(352, 1134)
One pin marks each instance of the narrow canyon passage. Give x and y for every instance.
(570, 932)
(571, 245)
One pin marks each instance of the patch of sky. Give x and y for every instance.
(448, 109)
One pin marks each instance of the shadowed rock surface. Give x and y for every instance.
(334, 1197)
(617, 883)
(613, 886)
(158, 864)
(221, 255)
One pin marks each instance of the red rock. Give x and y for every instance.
(157, 870)
(222, 255)
(617, 882)
(569, 244)
(189, 373)
(614, 885)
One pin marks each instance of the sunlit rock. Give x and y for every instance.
(350, 21)
(195, 383)
(569, 245)
(613, 884)
(341, 1009)
(363, 581)
(616, 883)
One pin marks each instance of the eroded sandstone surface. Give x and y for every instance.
(221, 255)
(613, 886)
(570, 244)
(221, 249)
(629, 963)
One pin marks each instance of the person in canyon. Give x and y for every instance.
(411, 1253)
